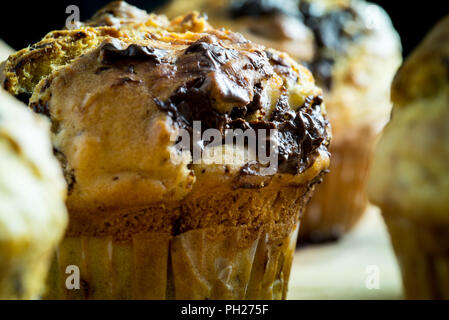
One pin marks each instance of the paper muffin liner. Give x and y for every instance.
(340, 200)
(198, 264)
(422, 249)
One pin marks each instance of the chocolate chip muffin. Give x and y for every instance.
(32, 192)
(148, 220)
(353, 51)
(409, 179)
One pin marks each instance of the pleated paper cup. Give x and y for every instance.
(422, 249)
(250, 260)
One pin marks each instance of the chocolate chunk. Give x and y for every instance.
(281, 66)
(222, 72)
(208, 58)
(300, 134)
(212, 55)
(113, 52)
(191, 103)
(210, 69)
(256, 104)
(238, 112)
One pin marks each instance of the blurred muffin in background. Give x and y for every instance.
(353, 51)
(143, 225)
(32, 193)
(410, 175)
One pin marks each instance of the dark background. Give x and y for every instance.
(25, 22)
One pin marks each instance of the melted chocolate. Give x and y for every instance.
(191, 102)
(113, 52)
(329, 29)
(300, 134)
(330, 37)
(219, 67)
(215, 70)
(210, 68)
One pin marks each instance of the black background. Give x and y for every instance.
(25, 22)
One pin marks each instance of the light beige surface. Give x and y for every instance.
(341, 270)
(5, 50)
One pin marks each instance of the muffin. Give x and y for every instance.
(32, 192)
(339, 41)
(148, 220)
(409, 178)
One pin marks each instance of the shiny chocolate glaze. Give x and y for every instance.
(300, 133)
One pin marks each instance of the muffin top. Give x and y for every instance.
(32, 189)
(411, 167)
(338, 40)
(121, 88)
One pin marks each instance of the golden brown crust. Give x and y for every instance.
(271, 210)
